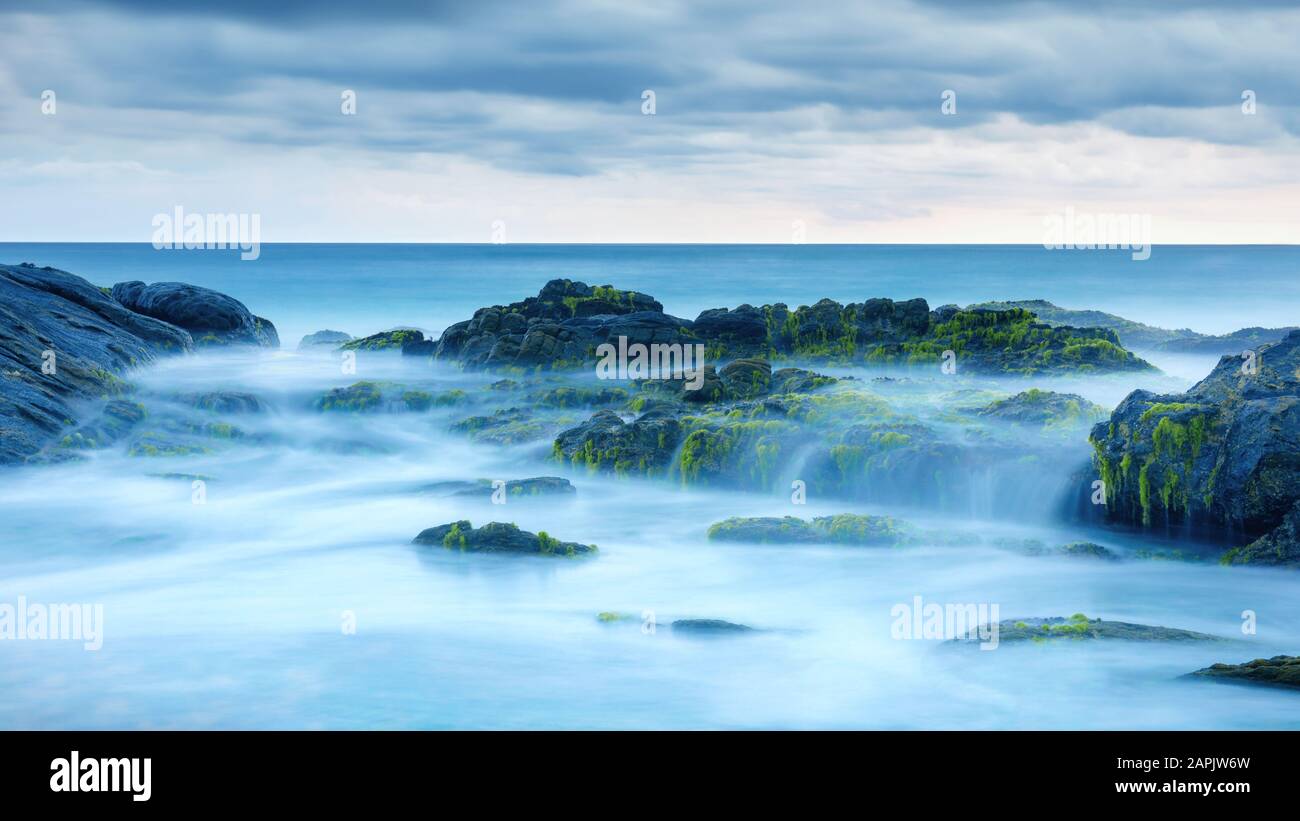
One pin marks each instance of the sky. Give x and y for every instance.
(773, 121)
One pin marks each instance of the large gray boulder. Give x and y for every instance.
(211, 317)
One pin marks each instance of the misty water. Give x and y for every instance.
(231, 613)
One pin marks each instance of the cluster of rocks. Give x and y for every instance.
(64, 340)
(564, 324)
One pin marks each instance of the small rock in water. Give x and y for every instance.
(498, 537)
(1278, 671)
(710, 627)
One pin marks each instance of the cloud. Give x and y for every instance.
(757, 102)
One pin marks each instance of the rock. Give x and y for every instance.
(1087, 550)
(1279, 547)
(497, 537)
(846, 528)
(536, 486)
(710, 627)
(1224, 457)
(746, 378)
(508, 426)
(91, 339)
(1080, 627)
(1232, 344)
(1046, 410)
(606, 443)
(116, 420)
(396, 339)
(1278, 671)
(324, 339)
(798, 380)
(579, 397)
(565, 323)
(211, 317)
(368, 397)
(1135, 336)
(224, 402)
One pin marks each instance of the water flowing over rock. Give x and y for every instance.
(497, 537)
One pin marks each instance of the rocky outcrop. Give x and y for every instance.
(64, 341)
(1223, 458)
(394, 340)
(497, 537)
(846, 529)
(211, 317)
(1278, 671)
(565, 323)
(1136, 336)
(710, 627)
(1232, 344)
(328, 340)
(1279, 547)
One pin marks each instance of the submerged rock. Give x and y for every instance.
(211, 317)
(498, 537)
(324, 339)
(224, 402)
(536, 486)
(509, 426)
(710, 627)
(1278, 671)
(1046, 410)
(1080, 627)
(1222, 457)
(846, 528)
(62, 341)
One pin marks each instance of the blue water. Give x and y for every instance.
(365, 288)
(230, 613)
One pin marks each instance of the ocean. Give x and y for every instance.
(291, 596)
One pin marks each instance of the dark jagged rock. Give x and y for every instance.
(90, 338)
(324, 339)
(710, 627)
(605, 442)
(746, 378)
(1223, 457)
(212, 318)
(514, 488)
(847, 528)
(396, 339)
(1079, 627)
(1232, 344)
(1278, 671)
(368, 397)
(498, 537)
(563, 326)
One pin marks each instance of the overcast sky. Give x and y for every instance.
(768, 116)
